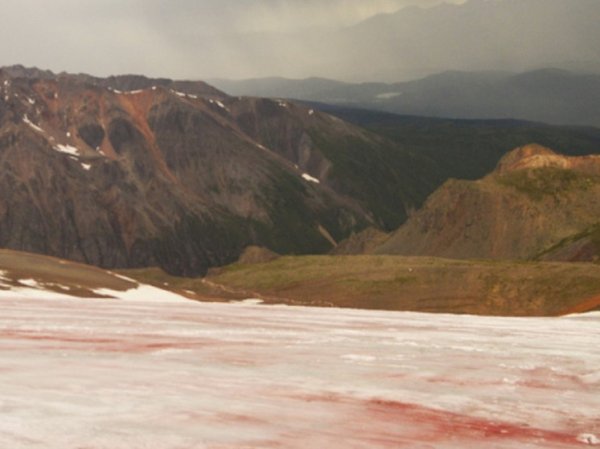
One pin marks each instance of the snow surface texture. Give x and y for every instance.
(143, 374)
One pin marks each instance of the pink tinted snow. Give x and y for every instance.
(132, 374)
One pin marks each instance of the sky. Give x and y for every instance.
(176, 38)
(340, 39)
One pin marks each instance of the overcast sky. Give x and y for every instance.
(201, 39)
(175, 38)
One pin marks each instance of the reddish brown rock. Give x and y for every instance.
(129, 171)
(534, 199)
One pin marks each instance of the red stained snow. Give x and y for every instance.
(402, 425)
(230, 377)
(68, 341)
(439, 425)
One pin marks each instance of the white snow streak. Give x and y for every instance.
(67, 149)
(31, 124)
(32, 283)
(124, 278)
(309, 178)
(219, 103)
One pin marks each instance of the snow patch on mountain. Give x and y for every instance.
(31, 124)
(32, 288)
(309, 178)
(219, 103)
(67, 149)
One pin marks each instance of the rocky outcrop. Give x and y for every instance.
(536, 156)
(533, 200)
(255, 255)
(364, 242)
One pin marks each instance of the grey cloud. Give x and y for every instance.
(253, 38)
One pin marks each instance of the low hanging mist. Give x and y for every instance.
(350, 40)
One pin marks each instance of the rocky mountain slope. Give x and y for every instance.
(468, 149)
(534, 199)
(129, 171)
(581, 247)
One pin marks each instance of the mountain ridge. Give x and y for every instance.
(534, 199)
(185, 179)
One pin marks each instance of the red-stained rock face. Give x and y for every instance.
(129, 171)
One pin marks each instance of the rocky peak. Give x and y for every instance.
(534, 156)
(19, 71)
(124, 83)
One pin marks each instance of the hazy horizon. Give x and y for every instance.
(347, 40)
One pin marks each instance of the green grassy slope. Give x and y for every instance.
(418, 284)
(399, 283)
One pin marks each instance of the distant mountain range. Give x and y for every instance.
(549, 95)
